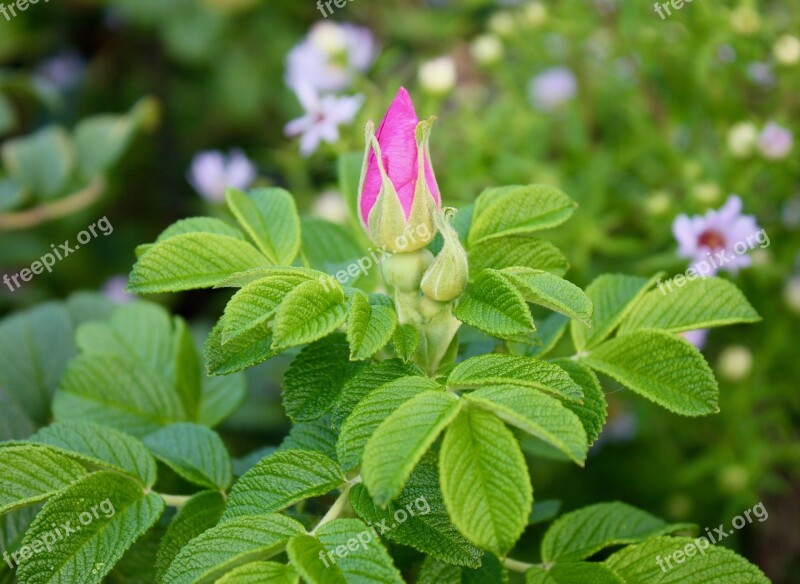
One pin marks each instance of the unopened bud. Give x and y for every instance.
(447, 276)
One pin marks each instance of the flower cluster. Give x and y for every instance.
(324, 63)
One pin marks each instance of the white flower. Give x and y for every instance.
(716, 239)
(323, 116)
(787, 50)
(329, 57)
(742, 139)
(735, 362)
(775, 141)
(212, 172)
(791, 294)
(487, 49)
(438, 76)
(502, 23)
(745, 20)
(331, 206)
(535, 13)
(552, 88)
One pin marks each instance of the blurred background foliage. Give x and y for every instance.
(636, 117)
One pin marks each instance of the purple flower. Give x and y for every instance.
(775, 141)
(212, 172)
(114, 290)
(697, 337)
(329, 56)
(552, 88)
(718, 240)
(63, 70)
(761, 74)
(322, 118)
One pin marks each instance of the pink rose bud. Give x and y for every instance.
(398, 194)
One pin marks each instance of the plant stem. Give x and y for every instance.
(516, 565)
(48, 211)
(176, 501)
(336, 509)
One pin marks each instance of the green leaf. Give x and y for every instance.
(259, 573)
(311, 311)
(221, 396)
(544, 511)
(102, 446)
(348, 560)
(315, 378)
(14, 422)
(194, 452)
(35, 347)
(269, 216)
(230, 544)
(200, 513)
(116, 391)
(30, 473)
(198, 225)
(333, 249)
(190, 261)
(235, 355)
(101, 140)
(348, 167)
(371, 413)
(661, 367)
(537, 414)
(316, 436)
(364, 381)
(491, 571)
(582, 533)
(714, 565)
(613, 296)
(518, 209)
(42, 161)
(702, 303)
(485, 480)
(499, 369)
(186, 369)
(370, 326)
(405, 341)
(493, 305)
(517, 251)
(280, 480)
(551, 292)
(397, 445)
(253, 306)
(427, 527)
(119, 512)
(594, 409)
(242, 279)
(549, 331)
(570, 573)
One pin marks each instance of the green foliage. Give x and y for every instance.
(98, 542)
(371, 324)
(495, 306)
(282, 479)
(583, 533)
(485, 481)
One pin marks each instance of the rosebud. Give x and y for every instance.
(398, 194)
(447, 276)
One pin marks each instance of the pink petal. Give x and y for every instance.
(399, 153)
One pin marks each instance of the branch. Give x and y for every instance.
(49, 211)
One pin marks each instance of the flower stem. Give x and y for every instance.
(516, 565)
(48, 211)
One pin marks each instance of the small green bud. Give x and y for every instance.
(447, 276)
(404, 270)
